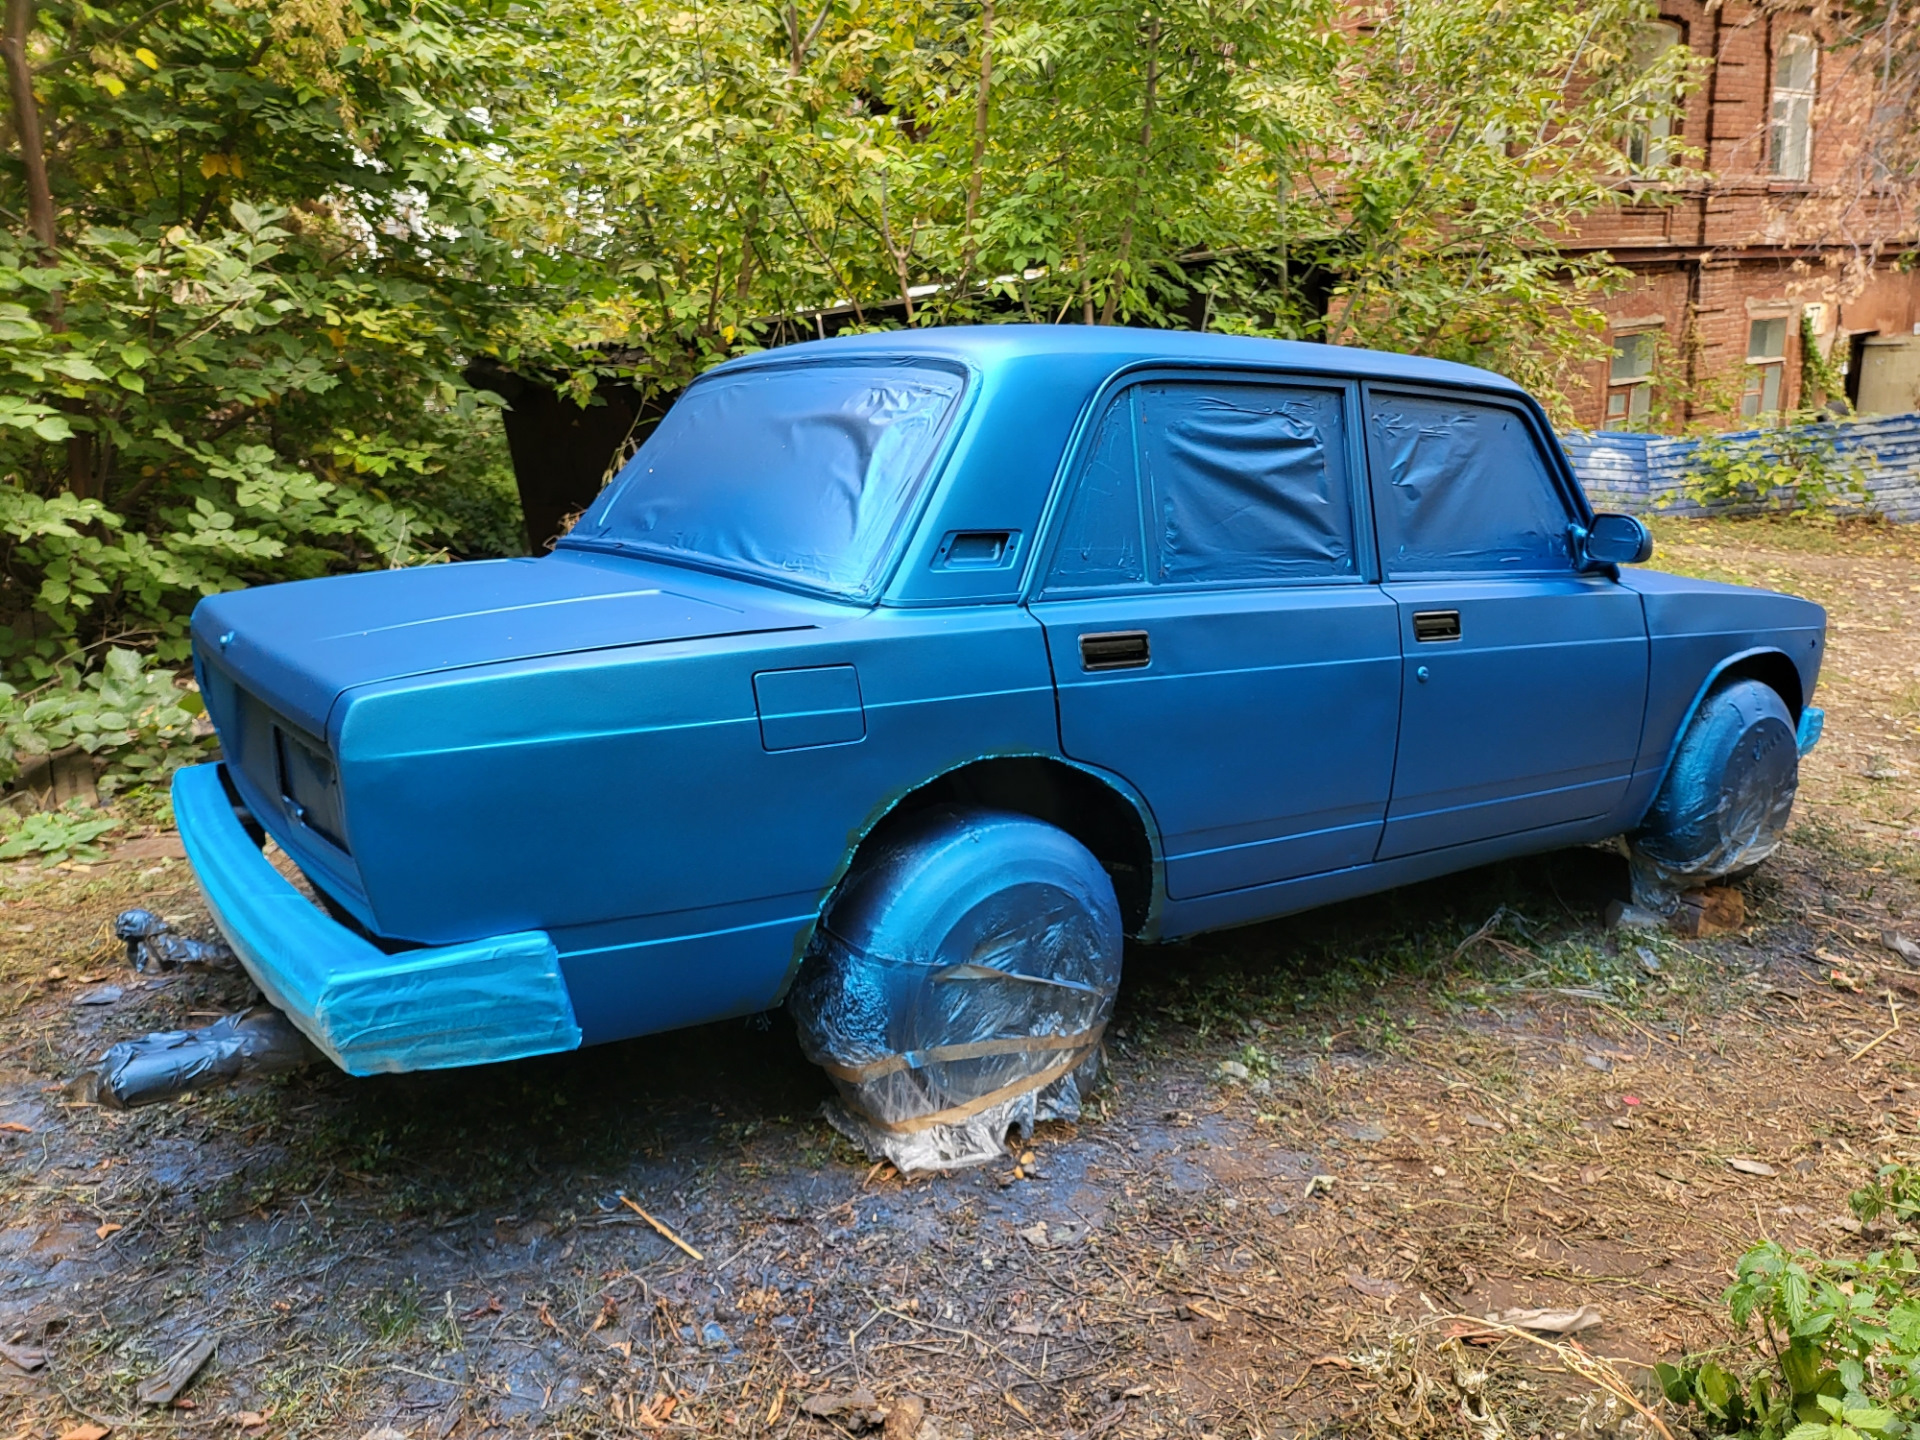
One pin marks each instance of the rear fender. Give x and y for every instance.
(907, 800)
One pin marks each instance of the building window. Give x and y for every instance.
(1630, 379)
(1766, 367)
(1790, 137)
(1647, 144)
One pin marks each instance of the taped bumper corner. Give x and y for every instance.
(500, 998)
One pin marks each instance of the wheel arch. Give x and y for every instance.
(1098, 809)
(1768, 664)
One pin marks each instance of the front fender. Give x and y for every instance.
(1700, 632)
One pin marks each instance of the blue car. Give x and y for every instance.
(908, 675)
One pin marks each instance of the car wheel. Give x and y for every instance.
(960, 984)
(1725, 803)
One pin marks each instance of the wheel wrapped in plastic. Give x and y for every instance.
(959, 986)
(1725, 803)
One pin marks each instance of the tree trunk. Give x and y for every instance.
(26, 125)
(980, 114)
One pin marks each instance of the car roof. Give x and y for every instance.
(991, 346)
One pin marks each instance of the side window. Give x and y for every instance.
(1248, 482)
(1100, 541)
(1466, 489)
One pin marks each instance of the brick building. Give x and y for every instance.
(1798, 228)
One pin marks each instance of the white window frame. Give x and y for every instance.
(1766, 386)
(1630, 377)
(1647, 147)
(1790, 122)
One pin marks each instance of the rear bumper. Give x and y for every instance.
(502, 998)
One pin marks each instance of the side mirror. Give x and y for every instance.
(1618, 540)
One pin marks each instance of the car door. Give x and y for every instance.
(1524, 680)
(1215, 638)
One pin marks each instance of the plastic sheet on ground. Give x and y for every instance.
(961, 988)
(1726, 801)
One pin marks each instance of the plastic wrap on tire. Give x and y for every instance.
(1727, 798)
(961, 986)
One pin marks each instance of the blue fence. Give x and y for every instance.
(1647, 473)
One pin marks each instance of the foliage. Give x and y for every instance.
(1837, 1339)
(698, 181)
(258, 245)
(69, 833)
(1818, 374)
(1797, 466)
(139, 720)
(1892, 1195)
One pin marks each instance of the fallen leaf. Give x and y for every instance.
(1551, 1322)
(249, 1419)
(839, 1402)
(1014, 1404)
(103, 1231)
(904, 1418)
(86, 1431)
(22, 1358)
(492, 1307)
(1752, 1167)
(1471, 1334)
(1339, 1362)
(1370, 1287)
(165, 1384)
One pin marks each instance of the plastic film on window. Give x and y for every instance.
(1100, 543)
(1249, 482)
(805, 473)
(1466, 490)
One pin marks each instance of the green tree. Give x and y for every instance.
(703, 178)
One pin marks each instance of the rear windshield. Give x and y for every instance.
(805, 474)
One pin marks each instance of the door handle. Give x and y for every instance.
(1436, 625)
(1115, 650)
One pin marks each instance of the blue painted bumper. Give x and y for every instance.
(495, 999)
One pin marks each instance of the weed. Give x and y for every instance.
(56, 835)
(1837, 1339)
(392, 1313)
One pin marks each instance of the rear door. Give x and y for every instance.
(1524, 681)
(1215, 638)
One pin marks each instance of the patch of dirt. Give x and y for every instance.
(1428, 1128)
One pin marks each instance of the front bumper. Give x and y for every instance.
(502, 998)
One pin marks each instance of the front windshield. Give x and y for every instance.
(803, 473)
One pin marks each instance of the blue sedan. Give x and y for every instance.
(903, 677)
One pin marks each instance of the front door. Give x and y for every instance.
(1214, 636)
(1524, 681)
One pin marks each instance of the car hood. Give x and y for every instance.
(298, 646)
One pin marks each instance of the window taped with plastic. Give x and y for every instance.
(1249, 482)
(806, 474)
(1467, 490)
(1100, 542)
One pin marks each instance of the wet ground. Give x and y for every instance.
(1320, 1135)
